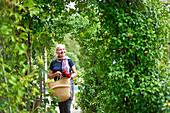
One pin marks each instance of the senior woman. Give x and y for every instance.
(63, 63)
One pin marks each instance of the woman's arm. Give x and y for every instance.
(74, 71)
(52, 75)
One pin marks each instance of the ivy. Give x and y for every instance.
(125, 58)
(121, 51)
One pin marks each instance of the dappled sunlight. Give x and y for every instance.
(119, 49)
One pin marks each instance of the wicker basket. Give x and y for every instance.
(61, 88)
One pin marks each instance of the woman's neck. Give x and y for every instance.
(60, 57)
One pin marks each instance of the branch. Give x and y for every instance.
(8, 3)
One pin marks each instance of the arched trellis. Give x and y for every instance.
(31, 38)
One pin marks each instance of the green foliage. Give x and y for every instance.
(24, 30)
(27, 27)
(121, 47)
(122, 59)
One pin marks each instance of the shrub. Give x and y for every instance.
(126, 60)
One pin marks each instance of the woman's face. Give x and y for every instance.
(61, 51)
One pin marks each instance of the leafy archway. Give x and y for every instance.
(123, 52)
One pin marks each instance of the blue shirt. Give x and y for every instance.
(57, 66)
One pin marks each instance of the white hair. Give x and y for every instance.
(58, 46)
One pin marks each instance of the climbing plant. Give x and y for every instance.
(127, 56)
(25, 32)
(123, 52)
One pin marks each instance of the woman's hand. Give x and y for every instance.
(58, 73)
(52, 75)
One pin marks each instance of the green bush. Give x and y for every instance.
(126, 60)
(24, 31)
(132, 34)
